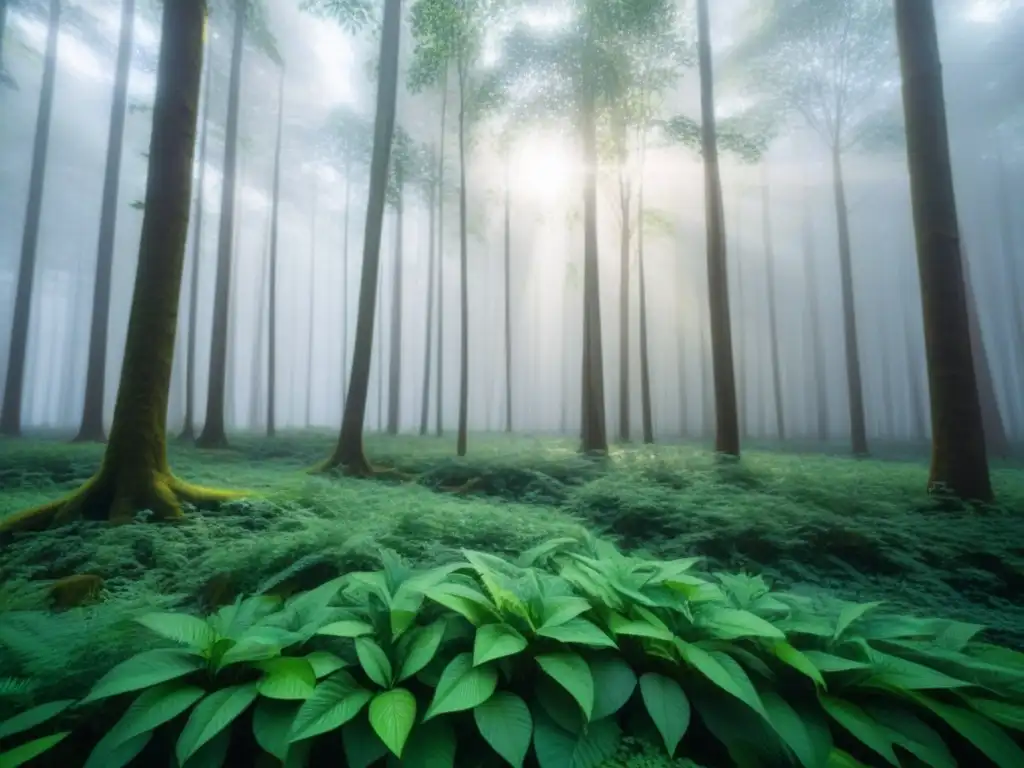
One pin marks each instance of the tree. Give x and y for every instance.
(91, 429)
(135, 474)
(10, 412)
(773, 322)
(272, 266)
(959, 462)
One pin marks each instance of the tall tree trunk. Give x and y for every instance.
(91, 429)
(737, 320)
(996, 441)
(188, 431)
(888, 403)
(773, 319)
(1014, 278)
(256, 372)
(311, 299)
(275, 215)
(431, 269)
(440, 262)
(213, 434)
(349, 450)
(727, 435)
(594, 432)
(624, 241)
(10, 413)
(345, 278)
(379, 331)
(508, 291)
(395, 362)
(463, 271)
(814, 319)
(858, 430)
(645, 360)
(918, 415)
(959, 461)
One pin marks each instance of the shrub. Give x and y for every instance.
(551, 660)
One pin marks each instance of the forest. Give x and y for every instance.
(532, 383)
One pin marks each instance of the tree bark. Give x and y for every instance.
(858, 430)
(463, 272)
(773, 319)
(431, 269)
(91, 429)
(349, 452)
(959, 461)
(10, 413)
(814, 312)
(213, 434)
(727, 437)
(395, 363)
(275, 215)
(508, 293)
(344, 278)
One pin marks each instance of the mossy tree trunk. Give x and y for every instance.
(135, 474)
(14, 388)
(727, 436)
(213, 434)
(275, 212)
(188, 431)
(810, 257)
(348, 452)
(773, 315)
(959, 459)
(395, 362)
(91, 429)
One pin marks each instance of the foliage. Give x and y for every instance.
(556, 653)
(352, 15)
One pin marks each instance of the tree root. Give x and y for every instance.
(117, 498)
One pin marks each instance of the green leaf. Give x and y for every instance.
(729, 677)
(180, 628)
(614, 683)
(989, 738)
(154, 707)
(505, 723)
(731, 623)
(462, 686)
(272, 723)
(213, 753)
(841, 759)
(421, 649)
(571, 672)
(466, 601)
(109, 752)
(621, 626)
(211, 716)
(496, 641)
(668, 707)
(346, 629)
(1004, 713)
(558, 610)
(335, 701)
(144, 670)
(324, 663)
(787, 654)
(805, 733)
(287, 677)
(578, 631)
(259, 644)
(557, 748)
(860, 725)
(374, 661)
(431, 745)
(827, 662)
(849, 614)
(914, 735)
(23, 753)
(392, 716)
(30, 718)
(362, 745)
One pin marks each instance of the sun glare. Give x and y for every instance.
(544, 169)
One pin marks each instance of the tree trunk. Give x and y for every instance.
(814, 312)
(188, 431)
(349, 450)
(344, 278)
(1014, 278)
(213, 434)
(440, 264)
(91, 429)
(773, 320)
(959, 461)
(431, 269)
(275, 213)
(645, 360)
(256, 372)
(858, 430)
(463, 273)
(727, 437)
(395, 363)
(10, 413)
(996, 441)
(742, 369)
(624, 240)
(593, 432)
(508, 293)
(918, 415)
(888, 403)
(311, 298)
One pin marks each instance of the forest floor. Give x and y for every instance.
(863, 530)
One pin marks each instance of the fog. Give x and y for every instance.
(327, 69)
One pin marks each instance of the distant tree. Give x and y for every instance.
(818, 373)
(10, 412)
(135, 474)
(275, 234)
(959, 460)
(773, 321)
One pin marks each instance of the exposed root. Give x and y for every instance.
(118, 498)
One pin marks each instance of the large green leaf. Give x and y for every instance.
(805, 732)
(850, 613)
(717, 668)
(668, 707)
(914, 735)
(347, 628)
(558, 610)
(421, 649)
(392, 716)
(144, 670)
(462, 686)
(730, 623)
(362, 745)
(324, 663)
(335, 701)
(374, 661)
(111, 753)
(30, 718)
(23, 753)
(787, 654)
(287, 677)
(180, 628)
(211, 716)
(271, 725)
(466, 601)
(1004, 713)
(557, 748)
(989, 738)
(570, 671)
(614, 683)
(860, 725)
(505, 723)
(154, 707)
(578, 631)
(496, 641)
(827, 662)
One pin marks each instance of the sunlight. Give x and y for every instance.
(544, 168)
(986, 11)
